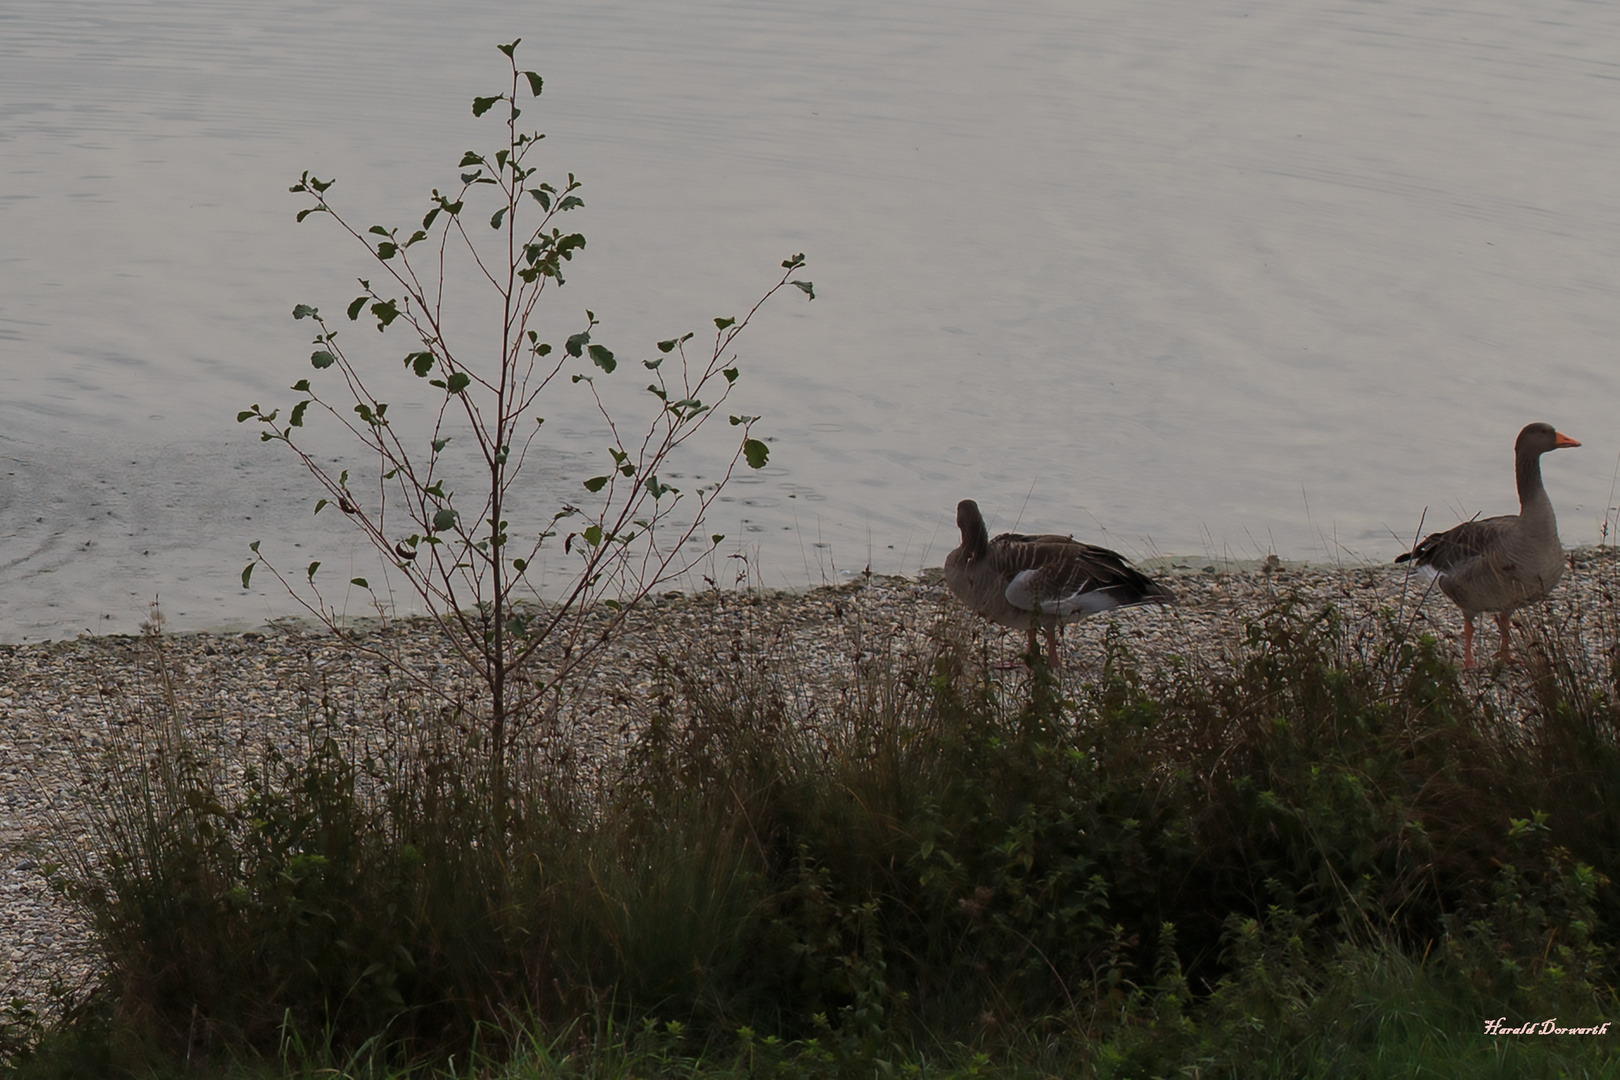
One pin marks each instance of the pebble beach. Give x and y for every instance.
(63, 704)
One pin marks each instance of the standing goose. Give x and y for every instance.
(1500, 564)
(1029, 581)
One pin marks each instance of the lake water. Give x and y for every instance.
(1203, 278)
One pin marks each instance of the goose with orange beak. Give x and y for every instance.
(1500, 564)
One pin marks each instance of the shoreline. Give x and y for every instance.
(1175, 566)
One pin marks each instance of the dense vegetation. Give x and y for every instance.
(1331, 856)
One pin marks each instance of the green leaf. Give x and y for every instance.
(517, 627)
(304, 311)
(444, 520)
(721, 324)
(596, 483)
(756, 452)
(322, 359)
(730, 373)
(458, 382)
(593, 535)
(420, 362)
(495, 221)
(577, 342)
(666, 346)
(247, 571)
(322, 504)
(509, 49)
(247, 414)
(482, 105)
(297, 417)
(356, 306)
(602, 358)
(535, 82)
(302, 386)
(541, 197)
(715, 538)
(469, 158)
(520, 565)
(360, 581)
(387, 250)
(310, 573)
(809, 289)
(440, 444)
(386, 311)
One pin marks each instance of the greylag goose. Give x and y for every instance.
(1027, 582)
(1500, 564)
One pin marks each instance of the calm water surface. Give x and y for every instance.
(1182, 277)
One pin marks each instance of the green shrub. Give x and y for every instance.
(1162, 870)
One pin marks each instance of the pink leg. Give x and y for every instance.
(1051, 647)
(1505, 623)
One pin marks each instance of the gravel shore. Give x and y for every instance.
(62, 703)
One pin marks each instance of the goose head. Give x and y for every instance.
(1538, 438)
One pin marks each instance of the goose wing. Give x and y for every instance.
(1463, 546)
(1061, 576)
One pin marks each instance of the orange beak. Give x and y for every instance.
(1561, 440)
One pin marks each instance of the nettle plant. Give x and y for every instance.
(475, 571)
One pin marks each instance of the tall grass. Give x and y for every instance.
(1327, 855)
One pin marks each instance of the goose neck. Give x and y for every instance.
(975, 536)
(1533, 500)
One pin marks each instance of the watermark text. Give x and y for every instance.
(1500, 1026)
